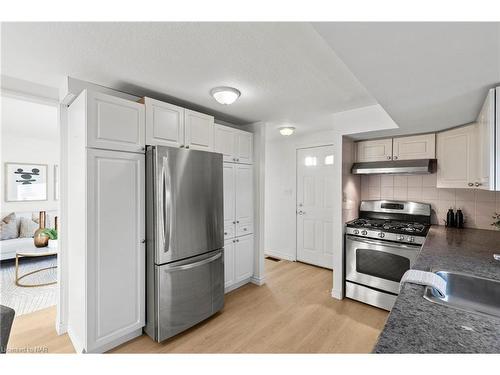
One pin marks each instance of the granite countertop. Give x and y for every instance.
(416, 325)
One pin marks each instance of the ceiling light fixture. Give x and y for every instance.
(225, 95)
(287, 130)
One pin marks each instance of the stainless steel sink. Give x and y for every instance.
(466, 292)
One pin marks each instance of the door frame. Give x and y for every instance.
(297, 148)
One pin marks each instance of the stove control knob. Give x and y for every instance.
(364, 232)
(411, 239)
(401, 238)
(355, 231)
(381, 235)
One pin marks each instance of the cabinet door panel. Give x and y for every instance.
(243, 258)
(376, 150)
(199, 130)
(164, 124)
(225, 139)
(229, 263)
(415, 147)
(486, 144)
(456, 157)
(115, 123)
(229, 188)
(244, 147)
(244, 195)
(115, 252)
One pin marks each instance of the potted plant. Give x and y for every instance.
(496, 223)
(52, 234)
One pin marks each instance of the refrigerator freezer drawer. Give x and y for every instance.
(188, 292)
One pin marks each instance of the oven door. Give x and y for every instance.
(378, 264)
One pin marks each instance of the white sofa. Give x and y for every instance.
(8, 248)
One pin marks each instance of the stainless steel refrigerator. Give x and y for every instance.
(185, 239)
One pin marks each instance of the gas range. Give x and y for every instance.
(381, 245)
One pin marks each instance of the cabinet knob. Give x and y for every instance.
(143, 241)
(395, 157)
(234, 222)
(187, 146)
(234, 241)
(237, 222)
(477, 184)
(245, 229)
(470, 184)
(225, 233)
(389, 158)
(237, 240)
(182, 146)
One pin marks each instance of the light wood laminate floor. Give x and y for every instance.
(292, 313)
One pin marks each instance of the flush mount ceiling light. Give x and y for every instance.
(287, 130)
(225, 95)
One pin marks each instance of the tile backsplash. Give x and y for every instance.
(477, 205)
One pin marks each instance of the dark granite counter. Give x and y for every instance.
(416, 325)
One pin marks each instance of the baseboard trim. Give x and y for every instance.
(61, 328)
(77, 344)
(258, 280)
(337, 294)
(277, 254)
(120, 340)
(237, 285)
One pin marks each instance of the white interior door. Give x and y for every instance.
(315, 206)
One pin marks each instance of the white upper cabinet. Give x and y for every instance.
(235, 145)
(171, 125)
(415, 147)
(245, 147)
(199, 130)
(486, 144)
(456, 158)
(164, 123)
(376, 150)
(114, 123)
(225, 142)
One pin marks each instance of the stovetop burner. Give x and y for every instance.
(392, 226)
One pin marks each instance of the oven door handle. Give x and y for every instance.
(383, 243)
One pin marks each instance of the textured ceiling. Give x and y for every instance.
(285, 71)
(427, 76)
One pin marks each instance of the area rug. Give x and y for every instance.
(28, 300)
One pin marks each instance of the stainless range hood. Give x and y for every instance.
(420, 166)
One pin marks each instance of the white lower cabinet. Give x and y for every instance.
(238, 261)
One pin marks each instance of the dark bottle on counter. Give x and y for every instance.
(459, 219)
(450, 218)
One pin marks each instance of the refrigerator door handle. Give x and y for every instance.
(195, 264)
(165, 204)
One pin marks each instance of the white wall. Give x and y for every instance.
(29, 134)
(351, 184)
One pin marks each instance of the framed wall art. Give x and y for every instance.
(25, 182)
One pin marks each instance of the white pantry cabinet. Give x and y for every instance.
(456, 158)
(238, 224)
(171, 125)
(114, 123)
(106, 232)
(235, 145)
(414, 147)
(375, 150)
